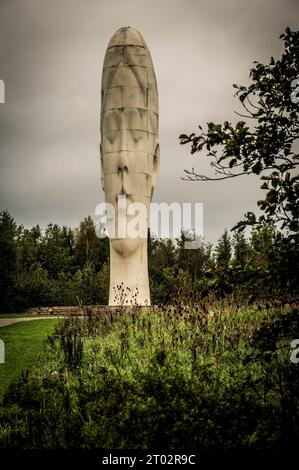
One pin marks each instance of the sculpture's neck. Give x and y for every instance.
(129, 277)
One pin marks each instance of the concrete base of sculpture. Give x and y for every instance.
(129, 283)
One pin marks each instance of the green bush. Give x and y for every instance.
(200, 377)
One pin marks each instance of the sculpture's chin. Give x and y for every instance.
(127, 246)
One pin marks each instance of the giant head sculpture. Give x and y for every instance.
(129, 156)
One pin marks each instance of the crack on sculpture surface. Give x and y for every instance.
(130, 155)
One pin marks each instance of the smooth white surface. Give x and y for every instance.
(130, 155)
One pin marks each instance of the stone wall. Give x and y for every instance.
(76, 310)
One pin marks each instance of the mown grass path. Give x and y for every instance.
(23, 342)
(10, 321)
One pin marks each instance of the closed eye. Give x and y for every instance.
(111, 136)
(136, 135)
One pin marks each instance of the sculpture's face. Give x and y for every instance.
(129, 157)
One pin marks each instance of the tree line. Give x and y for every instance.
(65, 266)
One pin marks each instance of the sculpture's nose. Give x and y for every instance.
(122, 164)
(122, 170)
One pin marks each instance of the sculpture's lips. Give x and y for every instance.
(122, 193)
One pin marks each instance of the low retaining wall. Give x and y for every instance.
(76, 310)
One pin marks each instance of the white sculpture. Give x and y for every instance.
(129, 155)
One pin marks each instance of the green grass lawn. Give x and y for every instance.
(23, 343)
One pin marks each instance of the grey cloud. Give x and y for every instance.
(51, 54)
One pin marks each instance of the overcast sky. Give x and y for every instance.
(51, 56)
